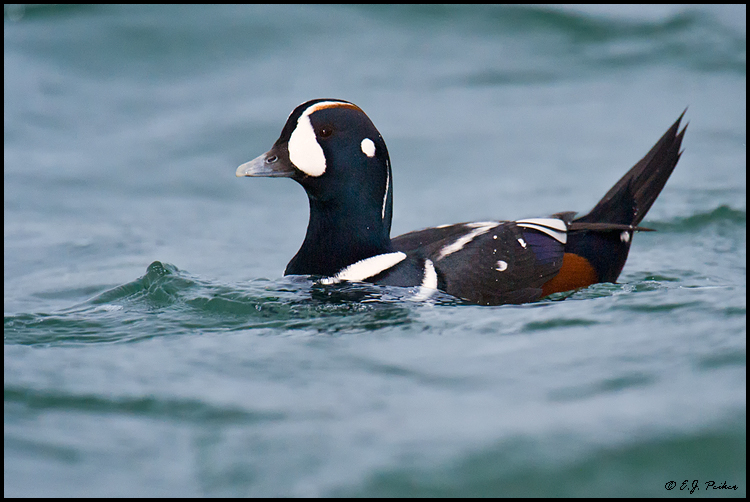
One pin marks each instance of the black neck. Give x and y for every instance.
(339, 235)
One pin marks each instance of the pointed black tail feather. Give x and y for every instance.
(603, 236)
(642, 184)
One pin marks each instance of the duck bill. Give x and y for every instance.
(270, 165)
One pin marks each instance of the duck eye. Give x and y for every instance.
(326, 131)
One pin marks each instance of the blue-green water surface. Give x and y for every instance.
(152, 347)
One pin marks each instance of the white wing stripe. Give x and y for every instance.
(480, 228)
(553, 227)
(554, 223)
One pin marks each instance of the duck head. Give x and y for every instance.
(332, 148)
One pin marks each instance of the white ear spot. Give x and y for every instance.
(368, 147)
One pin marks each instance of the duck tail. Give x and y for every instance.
(599, 242)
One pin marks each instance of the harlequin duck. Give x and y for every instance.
(334, 151)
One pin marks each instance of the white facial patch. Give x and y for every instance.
(368, 147)
(366, 268)
(304, 150)
(625, 236)
(501, 266)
